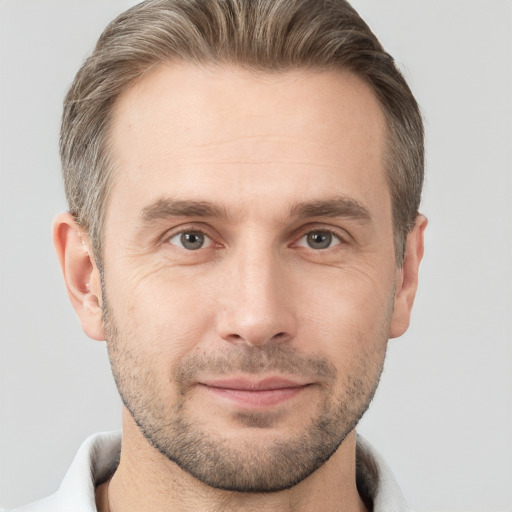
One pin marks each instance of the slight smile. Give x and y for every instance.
(255, 394)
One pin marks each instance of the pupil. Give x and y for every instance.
(192, 240)
(319, 240)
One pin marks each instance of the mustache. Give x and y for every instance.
(253, 361)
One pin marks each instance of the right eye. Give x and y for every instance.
(191, 240)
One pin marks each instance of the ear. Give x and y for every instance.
(80, 272)
(407, 279)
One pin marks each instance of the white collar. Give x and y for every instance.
(98, 458)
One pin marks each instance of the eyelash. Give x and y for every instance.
(333, 233)
(169, 237)
(303, 234)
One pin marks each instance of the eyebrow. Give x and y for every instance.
(340, 206)
(335, 207)
(167, 208)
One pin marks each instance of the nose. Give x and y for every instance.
(257, 299)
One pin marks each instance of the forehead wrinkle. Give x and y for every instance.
(334, 207)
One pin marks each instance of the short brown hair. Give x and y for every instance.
(268, 35)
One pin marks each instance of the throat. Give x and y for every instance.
(102, 501)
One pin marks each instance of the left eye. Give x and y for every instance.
(319, 240)
(191, 240)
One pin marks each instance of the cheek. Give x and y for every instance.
(162, 318)
(348, 317)
(349, 297)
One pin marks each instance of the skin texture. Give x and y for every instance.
(250, 286)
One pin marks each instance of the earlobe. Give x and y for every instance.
(81, 274)
(407, 281)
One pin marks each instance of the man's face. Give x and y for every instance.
(249, 267)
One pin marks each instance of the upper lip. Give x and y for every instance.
(245, 384)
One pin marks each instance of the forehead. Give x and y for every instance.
(191, 131)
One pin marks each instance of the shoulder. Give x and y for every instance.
(94, 463)
(375, 481)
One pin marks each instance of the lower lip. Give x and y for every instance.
(256, 398)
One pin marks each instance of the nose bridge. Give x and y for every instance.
(257, 307)
(258, 277)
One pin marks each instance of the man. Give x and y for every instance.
(243, 178)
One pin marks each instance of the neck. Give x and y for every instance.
(146, 480)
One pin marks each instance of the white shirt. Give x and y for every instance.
(98, 458)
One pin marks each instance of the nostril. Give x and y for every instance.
(257, 339)
(279, 336)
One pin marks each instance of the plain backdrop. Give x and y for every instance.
(443, 414)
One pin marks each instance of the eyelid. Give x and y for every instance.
(188, 228)
(207, 240)
(342, 235)
(334, 238)
(339, 233)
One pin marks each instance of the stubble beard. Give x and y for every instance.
(244, 464)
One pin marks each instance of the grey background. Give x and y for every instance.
(443, 414)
